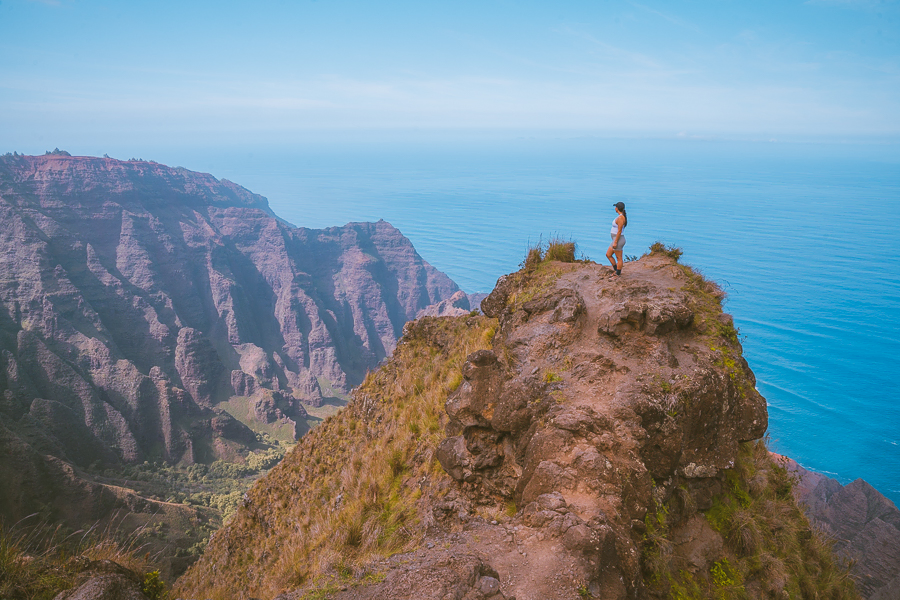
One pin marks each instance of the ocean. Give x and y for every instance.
(803, 238)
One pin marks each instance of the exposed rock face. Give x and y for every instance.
(643, 396)
(864, 524)
(454, 306)
(457, 305)
(103, 580)
(134, 298)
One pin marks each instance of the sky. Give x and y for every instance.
(84, 73)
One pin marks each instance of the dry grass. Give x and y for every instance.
(557, 249)
(533, 258)
(348, 494)
(561, 250)
(37, 562)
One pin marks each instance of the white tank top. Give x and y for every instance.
(615, 227)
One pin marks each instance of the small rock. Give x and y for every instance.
(493, 522)
(488, 585)
(429, 545)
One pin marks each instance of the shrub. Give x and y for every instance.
(672, 252)
(153, 587)
(551, 377)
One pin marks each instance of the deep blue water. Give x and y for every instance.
(803, 237)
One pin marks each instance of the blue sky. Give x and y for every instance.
(83, 72)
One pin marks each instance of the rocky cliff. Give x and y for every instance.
(599, 439)
(863, 523)
(135, 299)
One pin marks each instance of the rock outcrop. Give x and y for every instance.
(607, 397)
(596, 441)
(457, 305)
(102, 580)
(863, 523)
(135, 298)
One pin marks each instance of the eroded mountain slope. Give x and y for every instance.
(150, 313)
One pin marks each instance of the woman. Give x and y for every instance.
(618, 237)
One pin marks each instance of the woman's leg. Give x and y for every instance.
(619, 256)
(609, 256)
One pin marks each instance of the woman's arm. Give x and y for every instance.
(620, 221)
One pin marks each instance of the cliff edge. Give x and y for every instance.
(591, 436)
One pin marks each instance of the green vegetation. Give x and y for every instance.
(218, 486)
(153, 587)
(659, 247)
(347, 494)
(534, 282)
(769, 544)
(551, 377)
(37, 562)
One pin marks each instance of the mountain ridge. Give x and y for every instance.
(151, 314)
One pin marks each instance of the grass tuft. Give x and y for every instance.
(533, 258)
(672, 252)
(561, 250)
(557, 249)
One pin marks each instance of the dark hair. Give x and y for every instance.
(625, 214)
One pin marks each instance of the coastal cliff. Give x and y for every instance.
(590, 436)
(152, 315)
(862, 522)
